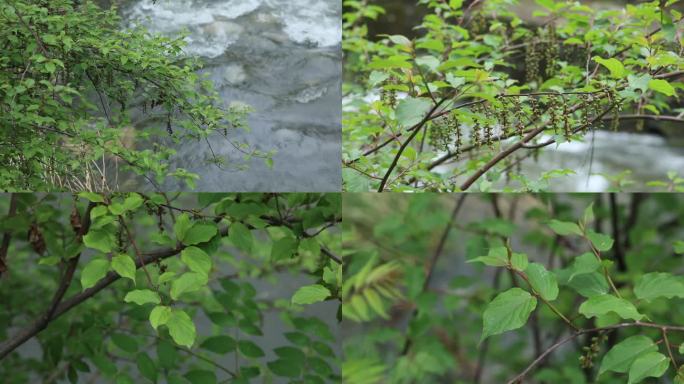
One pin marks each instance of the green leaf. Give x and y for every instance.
(132, 202)
(623, 354)
(411, 111)
(182, 225)
(565, 228)
(600, 241)
(496, 257)
(188, 282)
(219, 344)
(125, 342)
(662, 86)
(142, 296)
(285, 368)
(400, 40)
(583, 264)
(590, 284)
(197, 260)
(284, 248)
(651, 364)
(92, 197)
(250, 349)
(679, 247)
(653, 285)
(167, 354)
(124, 266)
(509, 310)
(617, 70)
(605, 304)
(543, 281)
(291, 353)
(519, 261)
(95, 270)
(160, 315)
(199, 376)
(100, 239)
(241, 236)
(146, 366)
(181, 328)
(310, 294)
(199, 233)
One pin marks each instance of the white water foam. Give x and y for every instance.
(213, 25)
(317, 22)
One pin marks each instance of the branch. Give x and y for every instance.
(521, 145)
(53, 310)
(407, 142)
(433, 261)
(518, 379)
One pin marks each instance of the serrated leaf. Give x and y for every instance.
(651, 364)
(95, 270)
(310, 294)
(543, 281)
(605, 304)
(509, 310)
(197, 260)
(124, 266)
(181, 328)
(623, 354)
(410, 111)
(142, 296)
(656, 284)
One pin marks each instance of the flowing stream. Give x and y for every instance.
(281, 57)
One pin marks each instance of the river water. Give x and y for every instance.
(281, 57)
(597, 160)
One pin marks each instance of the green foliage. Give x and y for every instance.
(592, 306)
(73, 83)
(507, 311)
(469, 99)
(166, 294)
